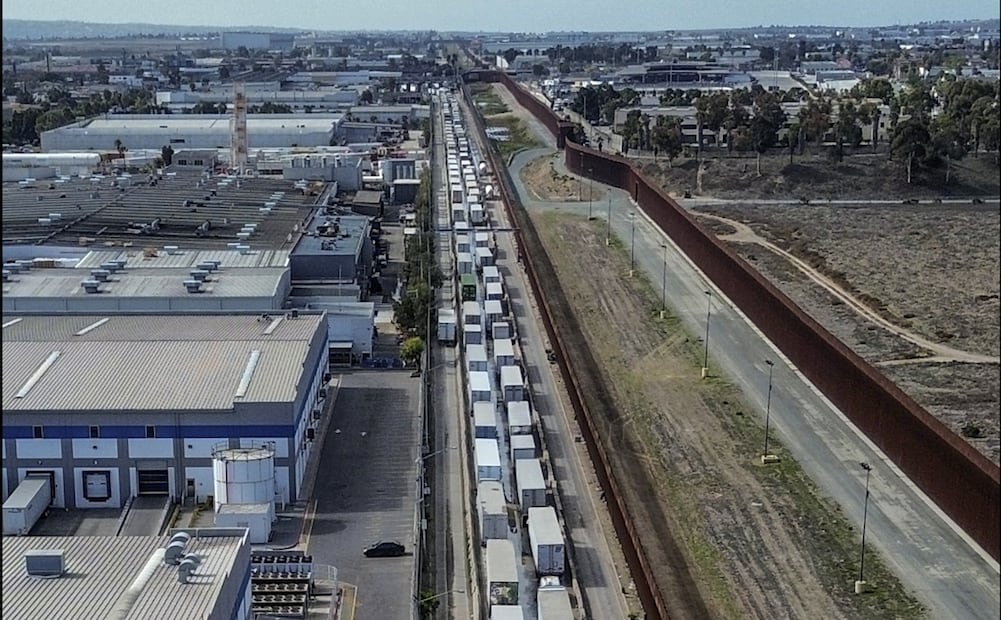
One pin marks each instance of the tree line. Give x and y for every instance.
(930, 125)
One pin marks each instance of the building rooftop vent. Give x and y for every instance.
(193, 286)
(45, 562)
(175, 548)
(199, 274)
(91, 286)
(209, 265)
(101, 275)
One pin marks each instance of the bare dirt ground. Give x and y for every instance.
(728, 537)
(862, 176)
(546, 183)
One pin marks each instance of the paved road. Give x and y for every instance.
(365, 489)
(930, 555)
(596, 574)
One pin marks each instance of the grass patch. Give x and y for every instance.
(822, 533)
(519, 138)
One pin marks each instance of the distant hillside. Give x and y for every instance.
(33, 29)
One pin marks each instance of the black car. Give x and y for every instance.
(385, 549)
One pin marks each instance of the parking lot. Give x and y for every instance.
(365, 489)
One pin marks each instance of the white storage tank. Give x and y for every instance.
(519, 417)
(484, 420)
(488, 465)
(244, 475)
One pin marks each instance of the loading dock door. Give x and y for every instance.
(153, 482)
(97, 486)
(339, 354)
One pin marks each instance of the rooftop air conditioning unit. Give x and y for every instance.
(101, 275)
(193, 286)
(243, 249)
(91, 286)
(199, 274)
(110, 266)
(45, 562)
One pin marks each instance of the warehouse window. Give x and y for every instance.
(38, 432)
(150, 432)
(95, 432)
(177, 140)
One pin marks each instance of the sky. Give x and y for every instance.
(507, 15)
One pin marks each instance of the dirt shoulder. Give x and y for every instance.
(756, 542)
(547, 183)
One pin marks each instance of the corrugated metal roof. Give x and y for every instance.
(249, 282)
(136, 259)
(99, 570)
(152, 362)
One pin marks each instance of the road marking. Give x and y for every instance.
(310, 518)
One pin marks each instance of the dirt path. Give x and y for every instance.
(941, 353)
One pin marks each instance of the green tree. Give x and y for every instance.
(910, 142)
(167, 154)
(510, 55)
(666, 137)
(947, 142)
(411, 351)
(815, 120)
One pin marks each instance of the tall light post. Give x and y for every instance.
(580, 177)
(590, 193)
(608, 226)
(663, 308)
(767, 458)
(632, 242)
(705, 359)
(860, 583)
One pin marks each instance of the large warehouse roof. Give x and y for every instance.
(152, 362)
(101, 571)
(171, 123)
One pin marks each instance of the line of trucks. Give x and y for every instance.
(483, 322)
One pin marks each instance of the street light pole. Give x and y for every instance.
(632, 242)
(767, 458)
(705, 359)
(860, 584)
(663, 308)
(608, 228)
(590, 192)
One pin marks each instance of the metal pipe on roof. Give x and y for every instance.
(125, 603)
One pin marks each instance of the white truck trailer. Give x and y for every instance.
(546, 539)
(26, 505)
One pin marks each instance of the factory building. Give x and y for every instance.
(258, 40)
(190, 131)
(115, 406)
(129, 576)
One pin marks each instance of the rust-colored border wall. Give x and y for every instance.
(962, 481)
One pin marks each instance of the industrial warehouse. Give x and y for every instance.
(110, 407)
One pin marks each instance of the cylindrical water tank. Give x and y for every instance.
(244, 475)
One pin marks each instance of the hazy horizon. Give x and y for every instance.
(513, 16)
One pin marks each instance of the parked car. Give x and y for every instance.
(385, 549)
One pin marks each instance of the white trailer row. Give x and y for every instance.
(497, 395)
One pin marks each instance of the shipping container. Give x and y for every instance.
(523, 447)
(494, 312)
(472, 334)
(531, 484)
(502, 572)
(503, 353)
(512, 383)
(485, 258)
(480, 387)
(465, 263)
(482, 239)
(446, 326)
(519, 417)
(500, 330)
(492, 508)
(546, 539)
(477, 215)
(462, 245)
(494, 290)
(491, 273)
(469, 287)
(476, 358)
(26, 505)
(554, 604)
(488, 465)
(484, 420)
(471, 313)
